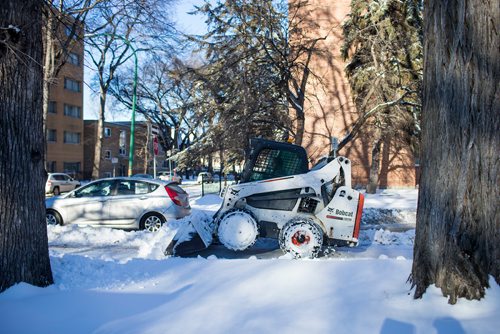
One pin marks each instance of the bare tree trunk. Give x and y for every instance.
(457, 243)
(299, 131)
(24, 255)
(96, 170)
(48, 54)
(48, 65)
(371, 187)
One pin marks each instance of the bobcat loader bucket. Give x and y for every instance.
(192, 237)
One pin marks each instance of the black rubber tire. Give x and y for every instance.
(230, 244)
(302, 238)
(152, 222)
(56, 191)
(53, 217)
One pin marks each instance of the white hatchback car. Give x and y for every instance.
(59, 182)
(121, 202)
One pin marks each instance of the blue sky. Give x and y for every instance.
(190, 24)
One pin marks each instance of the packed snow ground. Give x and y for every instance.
(113, 281)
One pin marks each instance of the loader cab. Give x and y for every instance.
(270, 159)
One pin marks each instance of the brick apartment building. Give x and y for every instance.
(65, 116)
(115, 149)
(330, 111)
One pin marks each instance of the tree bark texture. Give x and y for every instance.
(371, 187)
(457, 242)
(24, 255)
(96, 168)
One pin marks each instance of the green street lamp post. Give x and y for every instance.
(132, 123)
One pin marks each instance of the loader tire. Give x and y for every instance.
(237, 229)
(302, 238)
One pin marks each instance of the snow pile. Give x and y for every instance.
(395, 209)
(399, 199)
(130, 244)
(196, 295)
(385, 237)
(112, 281)
(377, 216)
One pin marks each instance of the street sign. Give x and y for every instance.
(155, 145)
(114, 160)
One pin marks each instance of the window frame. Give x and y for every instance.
(49, 132)
(69, 110)
(69, 134)
(72, 85)
(74, 58)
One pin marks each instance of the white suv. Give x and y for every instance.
(60, 182)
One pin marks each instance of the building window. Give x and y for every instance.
(72, 168)
(107, 154)
(52, 135)
(52, 166)
(52, 107)
(71, 137)
(72, 85)
(107, 132)
(123, 152)
(74, 58)
(123, 138)
(72, 111)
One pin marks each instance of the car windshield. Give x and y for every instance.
(144, 176)
(101, 188)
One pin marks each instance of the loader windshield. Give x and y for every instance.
(269, 159)
(276, 163)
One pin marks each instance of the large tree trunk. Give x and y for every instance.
(24, 255)
(457, 243)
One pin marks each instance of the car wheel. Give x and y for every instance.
(53, 218)
(152, 222)
(302, 238)
(56, 191)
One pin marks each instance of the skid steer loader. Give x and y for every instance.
(278, 197)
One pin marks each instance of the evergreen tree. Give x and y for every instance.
(383, 46)
(243, 90)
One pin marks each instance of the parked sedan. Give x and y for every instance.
(60, 182)
(120, 202)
